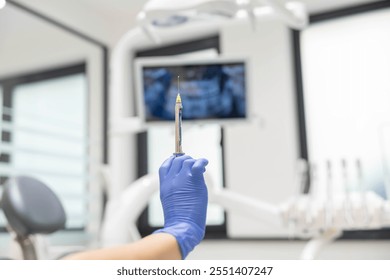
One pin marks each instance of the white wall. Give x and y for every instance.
(261, 157)
(29, 44)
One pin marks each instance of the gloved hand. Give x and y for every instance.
(183, 195)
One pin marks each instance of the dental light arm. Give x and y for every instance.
(250, 207)
(293, 13)
(120, 222)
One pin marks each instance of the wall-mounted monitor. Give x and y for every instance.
(211, 90)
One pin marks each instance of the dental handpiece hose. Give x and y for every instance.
(178, 124)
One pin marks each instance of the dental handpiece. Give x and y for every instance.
(178, 122)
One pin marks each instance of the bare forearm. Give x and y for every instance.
(160, 246)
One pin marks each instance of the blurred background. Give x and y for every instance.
(320, 93)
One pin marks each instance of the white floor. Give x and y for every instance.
(289, 250)
(270, 250)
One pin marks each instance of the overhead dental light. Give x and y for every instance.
(171, 13)
(2, 4)
(161, 12)
(170, 21)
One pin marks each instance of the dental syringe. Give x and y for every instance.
(178, 122)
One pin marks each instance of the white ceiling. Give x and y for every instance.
(106, 20)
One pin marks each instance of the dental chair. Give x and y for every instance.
(31, 208)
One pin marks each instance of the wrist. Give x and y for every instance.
(187, 234)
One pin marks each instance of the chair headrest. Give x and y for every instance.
(31, 207)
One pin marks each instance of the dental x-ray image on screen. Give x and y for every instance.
(208, 91)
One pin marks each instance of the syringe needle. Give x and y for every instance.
(178, 122)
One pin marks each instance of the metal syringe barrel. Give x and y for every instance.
(178, 123)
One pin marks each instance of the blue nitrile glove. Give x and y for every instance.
(183, 195)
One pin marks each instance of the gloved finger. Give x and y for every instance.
(164, 168)
(187, 165)
(177, 164)
(199, 166)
